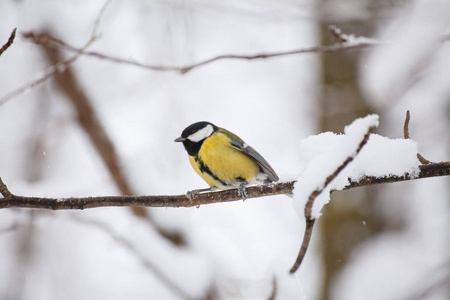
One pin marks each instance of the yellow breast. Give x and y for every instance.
(223, 164)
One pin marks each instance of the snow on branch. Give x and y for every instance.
(332, 162)
(371, 123)
(10, 200)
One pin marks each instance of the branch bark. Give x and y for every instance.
(422, 159)
(343, 44)
(310, 221)
(89, 121)
(14, 201)
(9, 42)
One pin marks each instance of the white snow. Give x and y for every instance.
(235, 248)
(322, 154)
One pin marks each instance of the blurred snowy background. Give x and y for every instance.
(385, 242)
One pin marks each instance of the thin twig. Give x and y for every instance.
(9, 42)
(406, 126)
(337, 33)
(309, 204)
(422, 159)
(31, 84)
(342, 46)
(60, 66)
(184, 69)
(98, 20)
(274, 293)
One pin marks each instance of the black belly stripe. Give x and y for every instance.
(204, 169)
(241, 180)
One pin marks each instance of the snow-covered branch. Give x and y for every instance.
(309, 219)
(11, 200)
(343, 167)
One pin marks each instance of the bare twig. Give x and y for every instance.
(87, 116)
(98, 20)
(343, 45)
(31, 84)
(422, 159)
(309, 204)
(406, 126)
(274, 293)
(9, 42)
(60, 66)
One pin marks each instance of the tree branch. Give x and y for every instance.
(426, 170)
(343, 44)
(422, 159)
(9, 42)
(309, 204)
(90, 123)
(14, 201)
(10, 200)
(60, 66)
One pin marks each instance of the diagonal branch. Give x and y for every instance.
(87, 117)
(9, 42)
(89, 121)
(309, 204)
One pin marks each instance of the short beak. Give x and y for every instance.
(180, 139)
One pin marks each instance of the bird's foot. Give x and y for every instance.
(242, 192)
(191, 194)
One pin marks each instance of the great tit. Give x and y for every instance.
(223, 159)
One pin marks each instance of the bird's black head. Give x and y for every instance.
(194, 135)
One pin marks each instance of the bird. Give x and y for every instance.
(223, 159)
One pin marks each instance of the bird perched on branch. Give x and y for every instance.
(223, 159)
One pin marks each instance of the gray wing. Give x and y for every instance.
(262, 163)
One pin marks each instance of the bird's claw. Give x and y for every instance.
(191, 194)
(242, 192)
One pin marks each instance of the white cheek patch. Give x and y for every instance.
(201, 134)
